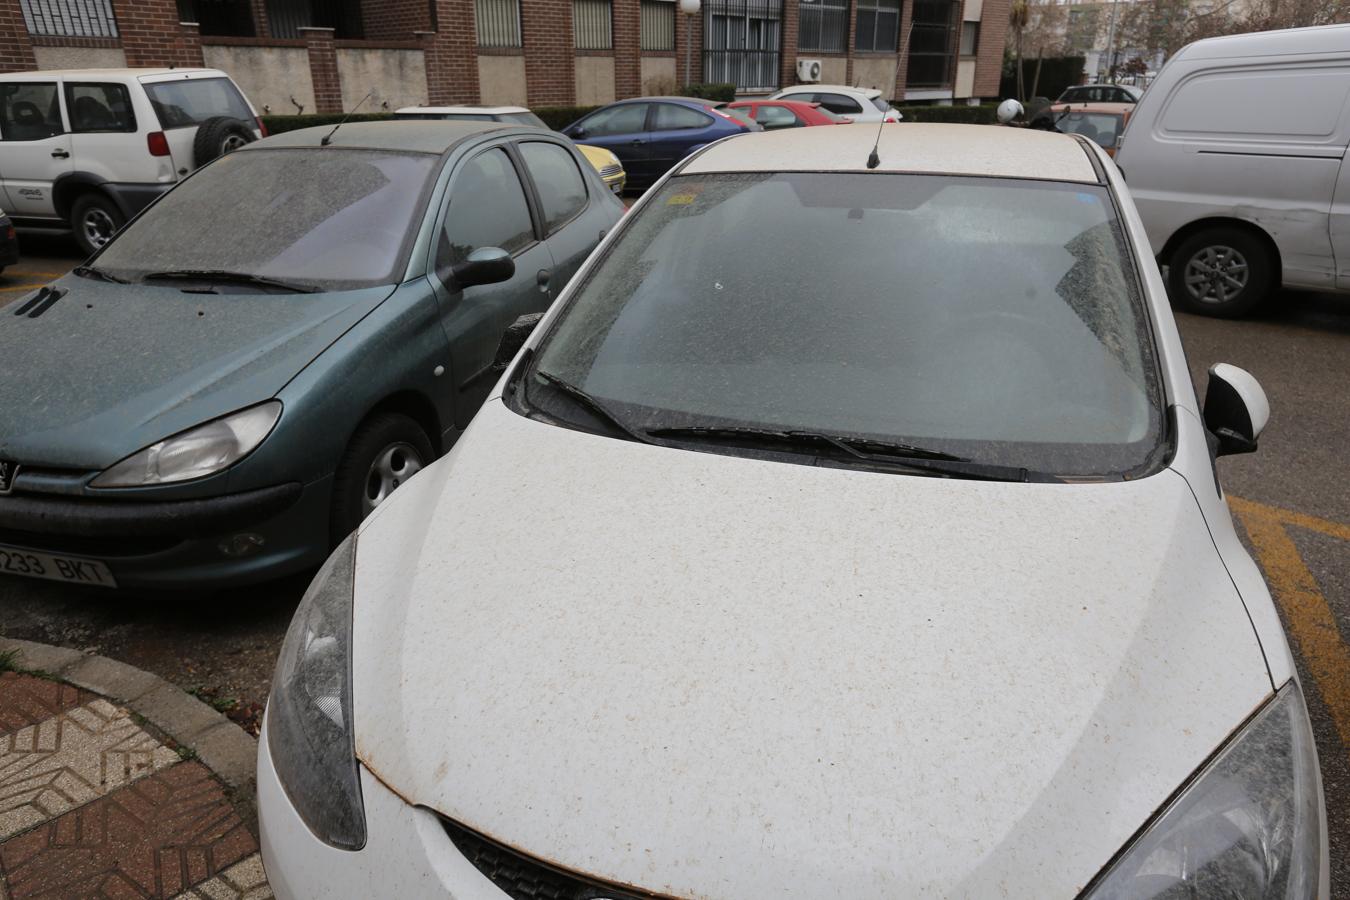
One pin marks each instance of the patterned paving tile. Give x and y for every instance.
(70, 759)
(242, 881)
(25, 700)
(153, 838)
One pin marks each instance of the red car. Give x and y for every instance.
(771, 114)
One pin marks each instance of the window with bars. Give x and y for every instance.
(658, 24)
(69, 18)
(878, 25)
(233, 18)
(823, 26)
(498, 22)
(591, 27)
(970, 38)
(932, 43)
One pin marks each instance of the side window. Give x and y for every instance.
(99, 107)
(626, 119)
(838, 103)
(562, 190)
(670, 117)
(776, 117)
(29, 111)
(487, 209)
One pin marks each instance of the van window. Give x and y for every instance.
(1286, 105)
(180, 104)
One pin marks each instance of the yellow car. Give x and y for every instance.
(607, 164)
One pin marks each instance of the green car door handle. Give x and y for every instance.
(543, 277)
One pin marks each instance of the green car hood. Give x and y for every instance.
(111, 368)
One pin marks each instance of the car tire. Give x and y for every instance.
(94, 218)
(1222, 272)
(386, 450)
(218, 136)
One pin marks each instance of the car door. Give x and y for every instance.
(622, 130)
(487, 207)
(34, 146)
(675, 130)
(571, 228)
(101, 121)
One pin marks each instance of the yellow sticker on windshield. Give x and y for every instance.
(680, 200)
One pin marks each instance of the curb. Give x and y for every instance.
(229, 751)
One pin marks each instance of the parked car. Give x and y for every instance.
(249, 368)
(1100, 93)
(606, 163)
(771, 114)
(651, 134)
(9, 242)
(88, 149)
(1102, 123)
(1234, 159)
(875, 549)
(859, 104)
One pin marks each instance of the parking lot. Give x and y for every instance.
(1292, 499)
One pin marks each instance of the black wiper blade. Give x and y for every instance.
(595, 406)
(232, 277)
(92, 272)
(883, 454)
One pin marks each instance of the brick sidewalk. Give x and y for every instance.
(93, 804)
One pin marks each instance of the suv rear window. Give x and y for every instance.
(180, 104)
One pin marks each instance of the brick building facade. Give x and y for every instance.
(326, 55)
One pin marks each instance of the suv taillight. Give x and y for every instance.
(261, 126)
(158, 143)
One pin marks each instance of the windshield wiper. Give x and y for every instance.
(870, 451)
(92, 272)
(232, 278)
(594, 406)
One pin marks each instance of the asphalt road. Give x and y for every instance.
(1292, 499)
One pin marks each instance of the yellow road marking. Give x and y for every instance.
(24, 273)
(1311, 620)
(21, 287)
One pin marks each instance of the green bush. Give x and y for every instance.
(718, 92)
(282, 124)
(983, 114)
(559, 117)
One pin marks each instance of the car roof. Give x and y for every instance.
(1116, 108)
(904, 147)
(107, 73)
(463, 110)
(832, 88)
(415, 135)
(1318, 39)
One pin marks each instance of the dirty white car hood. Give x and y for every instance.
(718, 677)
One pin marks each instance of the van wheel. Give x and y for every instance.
(94, 219)
(1222, 272)
(387, 450)
(218, 136)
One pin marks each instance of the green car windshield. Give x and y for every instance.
(330, 217)
(998, 320)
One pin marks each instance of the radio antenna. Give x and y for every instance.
(874, 158)
(328, 138)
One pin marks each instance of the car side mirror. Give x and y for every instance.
(486, 265)
(515, 336)
(1236, 409)
(576, 132)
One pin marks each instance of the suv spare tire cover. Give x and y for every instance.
(213, 136)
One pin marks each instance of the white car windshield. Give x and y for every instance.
(998, 320)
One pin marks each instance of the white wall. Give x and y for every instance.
(501, 80)
(594, 80)
(393, 77)
(268, 76)
(80, 57)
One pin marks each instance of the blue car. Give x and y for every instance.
(650, 135)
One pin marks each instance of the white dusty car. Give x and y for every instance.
(841, 532)
(861, 105)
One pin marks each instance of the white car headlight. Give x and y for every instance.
(309, 714)
(1249, 825)
(197, 452)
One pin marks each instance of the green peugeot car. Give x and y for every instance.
(250, 366)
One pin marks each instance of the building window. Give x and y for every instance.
(285, 18)
(226, 17)
(69, 18)
(823, 26)
(742, 42)
(970, 38)
(591, 24)
(658, 24)
(878, 25)
(932, 44)
(498, 22)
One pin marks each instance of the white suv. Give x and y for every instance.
(88, 149)
(859, 104)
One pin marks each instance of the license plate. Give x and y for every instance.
(54, 567)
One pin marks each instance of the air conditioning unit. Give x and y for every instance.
(808, 70)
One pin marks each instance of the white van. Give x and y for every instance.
(1234, 157)
(88, 149)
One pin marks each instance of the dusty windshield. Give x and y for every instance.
(327, 217)
(998, 320)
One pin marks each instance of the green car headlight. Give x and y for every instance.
(197, 452)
